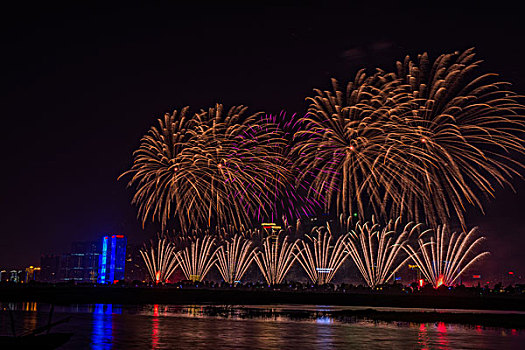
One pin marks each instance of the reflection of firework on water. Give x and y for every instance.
(234, 257)
(420, 143)
(443, 258)
(275, 258)
(319, 258)
(289, 200)
(210, 170)
(160, 259)
(376, 250)
(197, 258)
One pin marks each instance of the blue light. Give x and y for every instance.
(324, 320)
(112, 261)
(112, 264)
(103, 261)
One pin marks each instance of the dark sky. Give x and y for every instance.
(82, 84)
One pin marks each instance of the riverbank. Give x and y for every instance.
(85, 294)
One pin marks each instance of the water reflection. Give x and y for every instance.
(102, 334)
(156, 326)
(324, 332)
(442, 336)
(422, 337)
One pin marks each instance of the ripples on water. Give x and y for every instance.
(106, 326)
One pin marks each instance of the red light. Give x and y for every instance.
(156, 310)
(476, 276)
(439, 281)
(511, 273)
(119, 236)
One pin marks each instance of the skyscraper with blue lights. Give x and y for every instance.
(112, 259)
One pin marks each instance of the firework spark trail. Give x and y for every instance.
(345, 144)
(234, 257)
(160, 260)
(289, 196)
(459, 132)
(275, 259)
(438, 268)
(376, 251)
(418, 143)
(197, 258)
(320, 259)
(211, 169)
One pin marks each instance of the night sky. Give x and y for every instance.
(81, 85)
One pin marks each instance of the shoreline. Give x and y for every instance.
(109, 294)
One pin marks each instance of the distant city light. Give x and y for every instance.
(323, 269)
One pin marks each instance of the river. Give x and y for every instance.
(106, 326)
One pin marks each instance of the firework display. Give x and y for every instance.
(197, 258)
(376, 250)
(421, 144)
(160, 259)
(444, 257)
(289, 200)
(275, 258)
(234, 257)
(212, 168)
(459, 132)
(319, 258)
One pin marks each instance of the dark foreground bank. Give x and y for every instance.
(112, 294)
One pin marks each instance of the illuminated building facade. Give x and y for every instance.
(112, 259)
(81, 265)
(32, 274)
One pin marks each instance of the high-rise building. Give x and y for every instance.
(32, 274)
(15, 276)
(81, 265)
(50, 267)
(4, 276)
(112, 260)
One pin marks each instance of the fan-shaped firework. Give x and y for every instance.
(442, 267)
(275, 258)
(426, 139)
(160, 259)
(320, 259)
(197, 258)
(214, 169)
(234, 257)
(376, 251)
